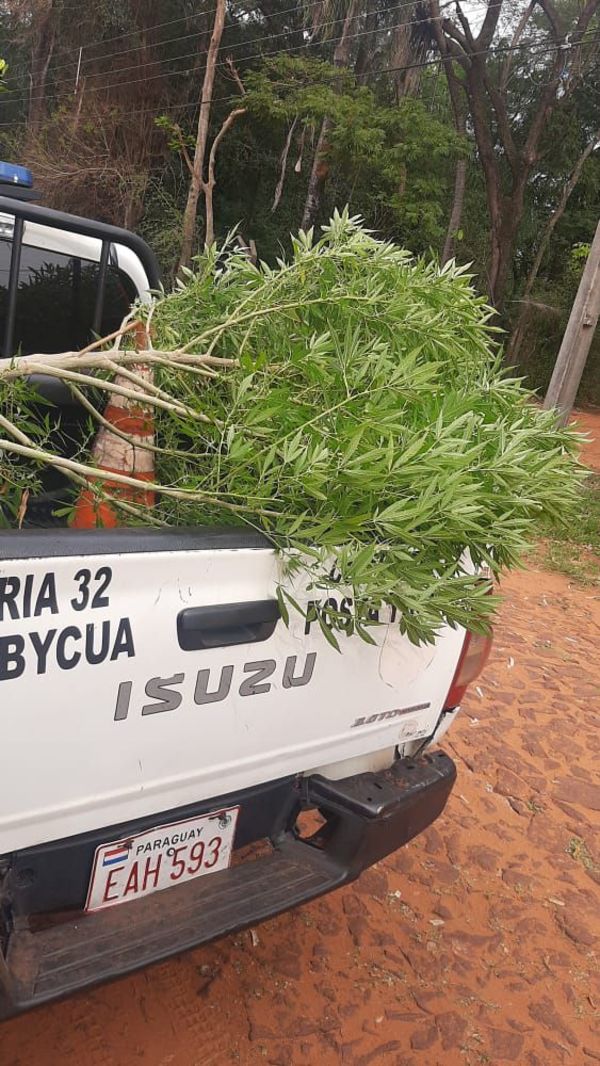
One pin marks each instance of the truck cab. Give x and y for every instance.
(63, 282)
(164, 729)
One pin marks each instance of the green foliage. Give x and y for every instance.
(573, 548)
(115, 151)
(176, 139)
(287, 86)
(568, 133)
(3, 73)
(390, 160)
(546, 323)
(367, 422)
(162, 222)
(17, 477)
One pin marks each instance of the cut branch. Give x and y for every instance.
(85, 471)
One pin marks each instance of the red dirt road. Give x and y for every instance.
(477, 944)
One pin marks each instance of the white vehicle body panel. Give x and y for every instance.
(70, 766)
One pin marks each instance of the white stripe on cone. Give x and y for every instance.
(114, 453)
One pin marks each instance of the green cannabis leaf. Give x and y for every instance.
(368, 420)
(350, 403)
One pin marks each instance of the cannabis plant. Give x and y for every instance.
(349, 402)
(363, 421)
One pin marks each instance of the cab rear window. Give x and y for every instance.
(57, 297)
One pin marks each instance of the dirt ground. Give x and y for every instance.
(475, 944)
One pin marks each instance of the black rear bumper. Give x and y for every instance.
(366, 817)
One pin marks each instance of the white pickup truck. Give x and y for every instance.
(163, 730)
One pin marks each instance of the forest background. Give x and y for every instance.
(456, 130)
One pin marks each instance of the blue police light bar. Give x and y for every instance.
(12, 174)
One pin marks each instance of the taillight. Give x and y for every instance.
(473, 657)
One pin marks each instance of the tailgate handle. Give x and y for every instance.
(225, 624)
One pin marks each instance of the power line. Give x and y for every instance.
(183, 18)
(383, 70)
(547, 49)
(160, 26)
(222, 63)
(487, 51)
(277, 52)
(240, 44)
(199, 33)
(172, 22)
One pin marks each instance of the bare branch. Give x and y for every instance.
(516, 37)
(196, 181)
(65, 374)
(209, 184)
(465, 25)
(98, 474)
(449, 51)
(552, 18)
(24, 365)
(183, 148)
(559, 211)
(488, 29)
(144, 445)
(235, 75)
(228, 123)
(585, 18)
(125, 327)
(544, 111)
(283, 165)
(451, 30)
(298, 163)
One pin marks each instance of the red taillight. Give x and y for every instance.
(473, 657)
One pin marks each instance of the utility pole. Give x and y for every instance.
(576, 342)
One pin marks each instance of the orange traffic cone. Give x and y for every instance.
(119, 456)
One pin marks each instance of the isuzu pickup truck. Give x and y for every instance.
(163, 731)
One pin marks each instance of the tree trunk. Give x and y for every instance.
(365, 54)
(460, 175)
(318, 176)
(455, 90)
(501, 267)
(43, 49)
(559, 211)
(283, 165)
(320, 167)
(191, 207)
(503, 239)
(460, 182)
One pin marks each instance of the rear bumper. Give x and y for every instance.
(366, 817)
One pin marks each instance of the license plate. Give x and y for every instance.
(160, 858)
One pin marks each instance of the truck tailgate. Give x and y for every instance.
(142, 670)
